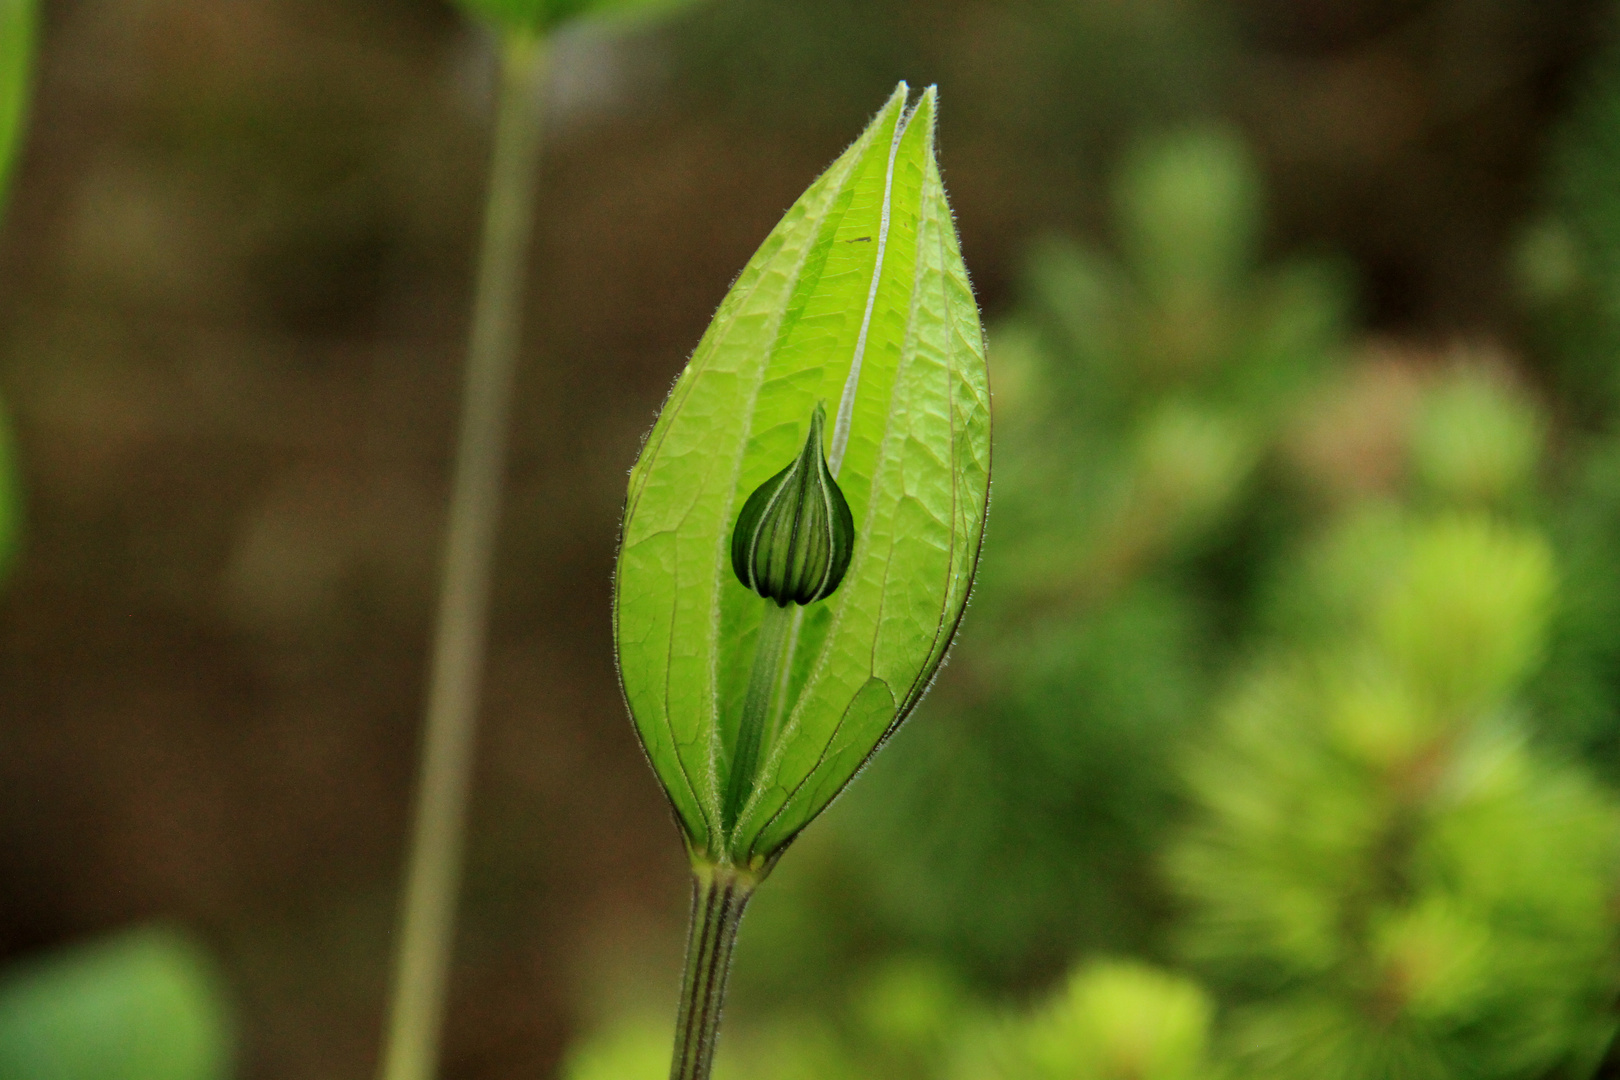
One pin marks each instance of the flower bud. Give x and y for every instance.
(795, 535)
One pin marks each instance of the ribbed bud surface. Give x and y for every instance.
(795, 535)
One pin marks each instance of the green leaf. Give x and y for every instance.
(16, 62)
(544, 16)
(861, 285)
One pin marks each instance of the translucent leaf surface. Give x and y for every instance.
(861, 286)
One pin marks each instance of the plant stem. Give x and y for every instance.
(719, 895)
(756, 713)
(779, 701)
(427, 923)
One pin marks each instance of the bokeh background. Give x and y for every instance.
(1281, 737)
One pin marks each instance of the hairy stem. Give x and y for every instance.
(756, 714)
(719, 895)
(426, 933)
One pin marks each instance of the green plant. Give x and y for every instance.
(1383, 877)
(433, 872)
(755, 715)
(428, 918)
(1142, 398)
(1354, 603)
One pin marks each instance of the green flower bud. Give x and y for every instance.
(795, 535)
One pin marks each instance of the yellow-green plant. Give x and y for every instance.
(1384, 878)
(1112, 1020)
(1142, 395)
(786, 588)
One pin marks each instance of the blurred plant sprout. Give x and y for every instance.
(756, 711)
(427, 921)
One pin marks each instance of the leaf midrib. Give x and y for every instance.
(819, 666)
(711, 805)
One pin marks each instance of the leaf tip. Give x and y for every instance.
(925, 111)
(896, 102)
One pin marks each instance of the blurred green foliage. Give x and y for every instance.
(145, 1005)
(1138, 397)
(1568, 261)
(1113, 1020)
(1289, 664)
(17, 18)
(1383, 878)
(544, 16)
(1568, 268)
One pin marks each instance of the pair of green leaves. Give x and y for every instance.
(858, 297)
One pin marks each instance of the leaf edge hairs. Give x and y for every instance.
(917, 320)
(708, 841)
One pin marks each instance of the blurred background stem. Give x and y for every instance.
(426, 931)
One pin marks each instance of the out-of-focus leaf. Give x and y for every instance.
(1461, 642)
(636, 1049)
(1119, 1018)
(1190, 211)
(543, 16)
(142, 1006)
(861, 285)
(1478, 441)
(17, 19)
